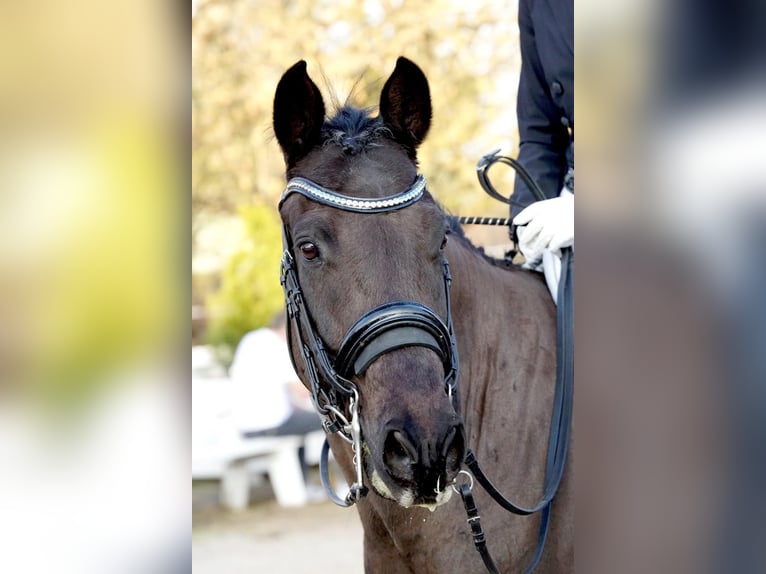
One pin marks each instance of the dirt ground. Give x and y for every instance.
(319, 538)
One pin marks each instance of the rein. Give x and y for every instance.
(558, 439)
(561, 418)
(482, 172)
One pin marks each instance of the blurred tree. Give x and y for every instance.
(468, 50)
(250, 293)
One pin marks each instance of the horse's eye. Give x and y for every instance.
(444, 243)
(309, 250)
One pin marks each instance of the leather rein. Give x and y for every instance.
(561, 418)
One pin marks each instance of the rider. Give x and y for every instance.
(545, 110)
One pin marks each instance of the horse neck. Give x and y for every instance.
(504, 323)
(488, 298)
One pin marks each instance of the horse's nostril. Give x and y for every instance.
(453, 450)
(448, 440)
(408, 460)
(403, 446)
(400, 454)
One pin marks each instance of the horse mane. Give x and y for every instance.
(354, 130)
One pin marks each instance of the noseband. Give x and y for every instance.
(385, 328)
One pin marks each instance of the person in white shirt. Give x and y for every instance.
(270, 400)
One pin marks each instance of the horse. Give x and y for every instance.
(417, 347)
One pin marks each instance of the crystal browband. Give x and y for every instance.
(320, 194)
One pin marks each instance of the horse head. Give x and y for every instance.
(368, 245)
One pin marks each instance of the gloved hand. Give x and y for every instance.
(548, 225)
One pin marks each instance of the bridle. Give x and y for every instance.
(383, 329)
(405, 323)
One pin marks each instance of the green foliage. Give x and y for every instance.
(250, 293)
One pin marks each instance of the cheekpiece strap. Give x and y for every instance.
(316, 192)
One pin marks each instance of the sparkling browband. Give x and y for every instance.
(316, 192)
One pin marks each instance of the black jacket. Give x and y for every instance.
(545, 103)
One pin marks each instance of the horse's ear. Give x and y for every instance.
(298, 113)
(405, 104)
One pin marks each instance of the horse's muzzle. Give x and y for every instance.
(425, 467)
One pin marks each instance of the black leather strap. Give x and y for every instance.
(474, 520)
(389, 327)
(324, 474)
(561, 420)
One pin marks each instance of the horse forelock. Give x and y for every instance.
(354, 130)
(357, 156)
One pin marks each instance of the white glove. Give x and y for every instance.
(548, 226)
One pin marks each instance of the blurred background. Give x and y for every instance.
(93, 267)
(103, 250)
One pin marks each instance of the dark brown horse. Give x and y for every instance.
(365, 240)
